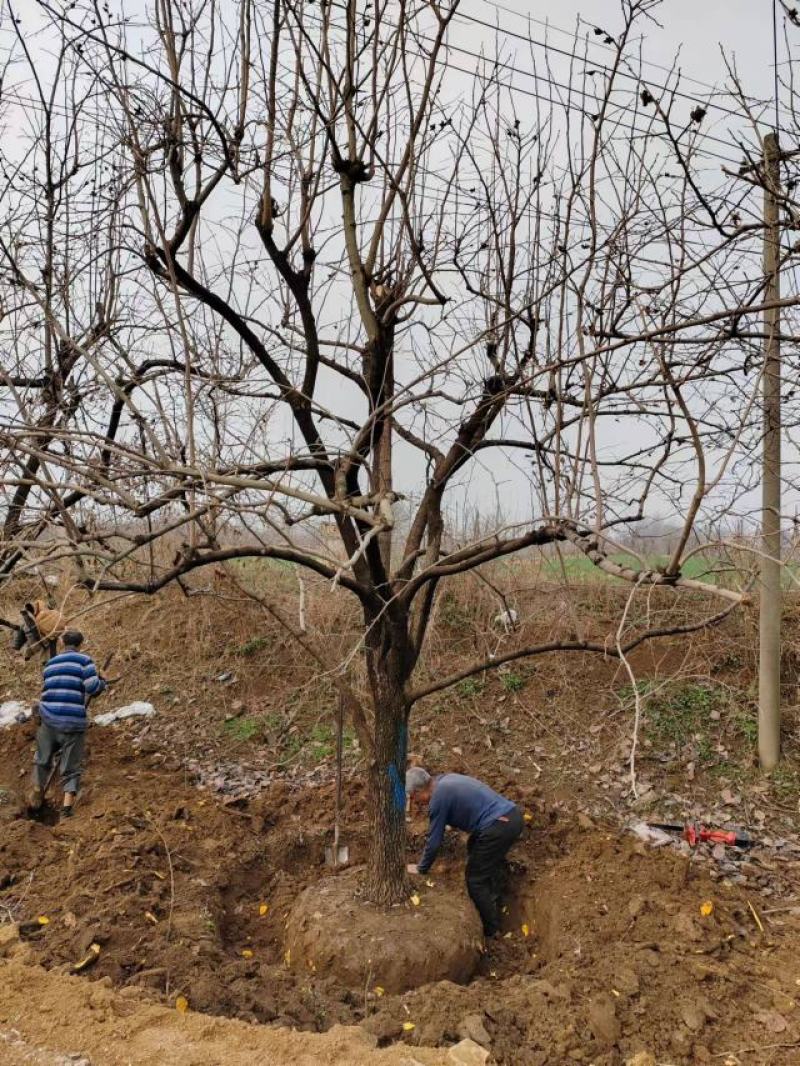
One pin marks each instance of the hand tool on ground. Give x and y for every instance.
(696, 834)
(338, 854)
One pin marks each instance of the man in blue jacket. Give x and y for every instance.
(493, 824)
(70, 679)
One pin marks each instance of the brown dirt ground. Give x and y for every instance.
(45, 1016)
(607, 952)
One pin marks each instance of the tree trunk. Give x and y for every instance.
(387, 880)
(769, 673)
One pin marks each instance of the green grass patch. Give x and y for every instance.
(680, 714)
(675, 715)
(251, 647)
(244, 729)
(709, 568)
(513, 682)
(784, 781)
(580, 569)
(470, 687)
(747, 725)
(315, 746)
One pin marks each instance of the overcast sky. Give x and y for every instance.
(695, 30)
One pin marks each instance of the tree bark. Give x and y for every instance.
(769, 673)
(387, 880)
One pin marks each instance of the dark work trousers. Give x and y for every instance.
(487, 868)
(68, 747)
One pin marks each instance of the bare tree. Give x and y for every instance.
(369, 277)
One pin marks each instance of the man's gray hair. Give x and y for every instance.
(417, 780)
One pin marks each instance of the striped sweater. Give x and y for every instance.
(68, 679)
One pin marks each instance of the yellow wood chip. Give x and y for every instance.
(408, 1026)
(182, 1004)
(43, 919)
(87, 960)
(706, 908)
(247, 953)
(525, 929)
(262, 910)
(527, 817)
(379, 991)
(415, 900)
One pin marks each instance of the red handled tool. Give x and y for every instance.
(695, 834)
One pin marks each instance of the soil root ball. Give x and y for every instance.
(331, 931)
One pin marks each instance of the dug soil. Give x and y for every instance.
(172, 884)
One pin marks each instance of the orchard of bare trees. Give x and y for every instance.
(270, 269)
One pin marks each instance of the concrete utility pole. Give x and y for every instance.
(769, 668)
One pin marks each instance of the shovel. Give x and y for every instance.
(338, 854)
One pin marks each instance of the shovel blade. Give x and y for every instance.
(337, 856)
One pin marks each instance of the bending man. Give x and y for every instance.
(493, 824)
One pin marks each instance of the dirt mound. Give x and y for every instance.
(436, 936)
(51, 1020)
(611, 949)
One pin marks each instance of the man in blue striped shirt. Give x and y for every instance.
(70, 679)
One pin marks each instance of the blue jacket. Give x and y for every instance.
(69, 678)
(463, 803)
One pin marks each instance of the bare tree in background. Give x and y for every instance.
(362, 277)
(58, 282)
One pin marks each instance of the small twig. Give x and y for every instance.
(755, 915)
(782, 910)
(301, 606)
(758, 1047)
(171, 875)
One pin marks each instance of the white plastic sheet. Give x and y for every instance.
(130, 710)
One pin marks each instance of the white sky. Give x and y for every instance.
(696, 29)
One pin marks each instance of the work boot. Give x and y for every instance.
(35, 800)
(67, 812)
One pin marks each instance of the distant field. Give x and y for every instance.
(576, 568)
(579, 569)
